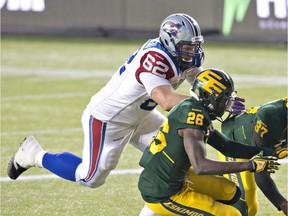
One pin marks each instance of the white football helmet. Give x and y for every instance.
(180, 29)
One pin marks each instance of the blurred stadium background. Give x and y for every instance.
(257, 20)
(56, 54)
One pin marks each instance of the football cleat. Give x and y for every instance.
(24, 158)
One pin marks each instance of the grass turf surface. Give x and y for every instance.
(46, 84)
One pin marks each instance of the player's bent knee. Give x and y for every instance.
(235, 198)
(235, 212)
(109, 167)
(98, 179)
(92, 183)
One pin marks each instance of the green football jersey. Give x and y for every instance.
(165, 161)
(265, 125)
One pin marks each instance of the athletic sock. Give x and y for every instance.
(62, 164)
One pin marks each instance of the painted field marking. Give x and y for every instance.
(243, 79)
(44, 96)
(52, 176)
(54, 131)
(114, 172)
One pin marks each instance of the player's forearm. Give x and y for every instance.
(269, 189)
(166, 97)
(169, 101)
(234, 149)
(173, 100)
(284, 207)
(212, 167)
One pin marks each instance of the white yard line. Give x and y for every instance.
(52, 176)
(63, 131)
(14, 71)
(43, 96)
(114, 172)
(241, 79)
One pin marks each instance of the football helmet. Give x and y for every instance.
(215, 88)
(178, 30)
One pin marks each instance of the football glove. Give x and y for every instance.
(264, 163)
(238, 106)
(280, 152)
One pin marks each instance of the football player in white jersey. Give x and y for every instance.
(123, 111)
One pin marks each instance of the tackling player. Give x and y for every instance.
(180, 144)
(123, 111)
(264, 125)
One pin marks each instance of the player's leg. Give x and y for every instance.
(101, 153)
(249, 191)
(146, 211)
(141, 139)
(31, 154)
(241, 205)
(103, 145)
(225, 192)
(189, 202)
(147, 129)
(246, 183)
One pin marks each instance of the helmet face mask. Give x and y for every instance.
(223, 104)
(215, 89)
(188, 58)
(177, 31)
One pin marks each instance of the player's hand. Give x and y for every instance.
(238, 106)
(280, 152)
(264, 163)
(284, 207)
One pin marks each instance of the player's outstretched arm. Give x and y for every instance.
(234, 149)
(166, 97)
(196, 150)
(270, 190)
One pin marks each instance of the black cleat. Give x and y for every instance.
(14, 170)
(24, 158)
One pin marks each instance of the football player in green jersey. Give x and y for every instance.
(179, 149)
(265, 125)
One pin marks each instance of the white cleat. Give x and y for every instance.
(24, 158)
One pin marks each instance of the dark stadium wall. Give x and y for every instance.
(264, 20)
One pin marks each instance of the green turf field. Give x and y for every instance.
(46, 84)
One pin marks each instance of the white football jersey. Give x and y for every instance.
(124, 98)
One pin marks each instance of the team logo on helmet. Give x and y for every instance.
(172, 28)
(211, 82)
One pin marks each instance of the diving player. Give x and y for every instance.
(123, 111)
